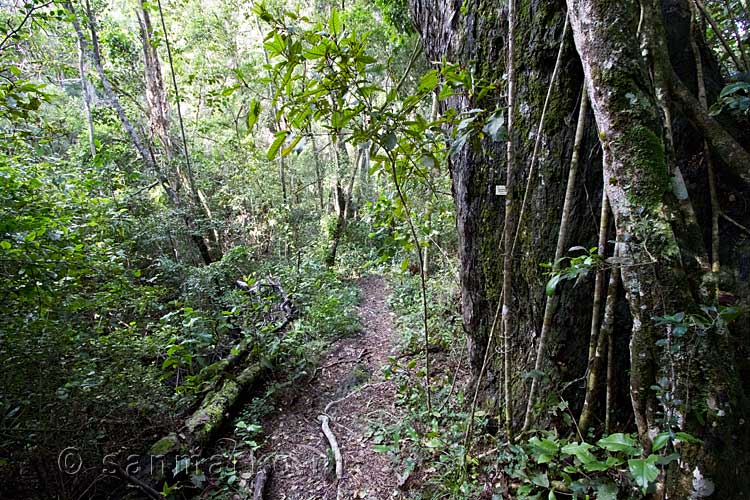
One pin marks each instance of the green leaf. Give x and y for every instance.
(606, 491)
(429, 81)
(335, 25)
(317, 52)
(390, 141)
(292, 144)
(5, 245)
(544, 450)
(666, 459)
(253, 114)
(733, 88)
(540, 479)
(495, 126)
(688, 438)
(273, 150)
(619, 442)
(580, 451)
(552, 285)
(598, 465)
(660, 441)
(532, 374)
(643, 471)
(429, 161)
(445, 92)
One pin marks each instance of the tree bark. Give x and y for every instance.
(658, 248)
(478, 39)
(656, 283)
(86, 89)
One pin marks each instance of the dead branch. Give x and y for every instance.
(336, 363)
(143, 486)
(740, 226)
(355, 391)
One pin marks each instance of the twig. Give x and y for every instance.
(414, 55)
(728, 218)
(18, 28)
(336, 363)
(422, 278)
(455, 378)
(334, 445)
(144, 188)
(707, 16)
(355, 391)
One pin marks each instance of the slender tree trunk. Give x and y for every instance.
(156, 96)
(318, 170)
(86, 89)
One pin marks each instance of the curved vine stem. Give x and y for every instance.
(562, 237)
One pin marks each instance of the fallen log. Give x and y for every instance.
(218, 403)
(203, 424)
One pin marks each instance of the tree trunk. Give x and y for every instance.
(86, 88)
(478, 39)
(659, 254)
(145, 153)
(156, 96)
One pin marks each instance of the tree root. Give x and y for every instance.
(261, 479)
(333, 444)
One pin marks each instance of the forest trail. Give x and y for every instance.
(348, 387)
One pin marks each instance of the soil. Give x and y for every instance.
(349, 388)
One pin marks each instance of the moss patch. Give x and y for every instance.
(165, 445)
(649, 173)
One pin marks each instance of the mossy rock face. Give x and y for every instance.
(167, 444)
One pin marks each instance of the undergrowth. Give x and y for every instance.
(118, 374)
(428, 447)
